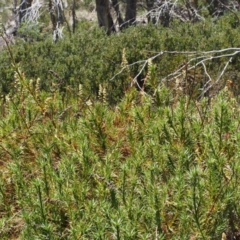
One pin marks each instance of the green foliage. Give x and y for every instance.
(73, 168)
(30, 31)
(91, 58)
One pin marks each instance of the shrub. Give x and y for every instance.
(91, 58)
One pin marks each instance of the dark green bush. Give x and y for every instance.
(91, 58)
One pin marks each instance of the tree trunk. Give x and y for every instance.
(59, 11)
(16, 16)
(165, 17)
(150, 14)
(57, 17)
(194, 3)
(24, 5)
(131, 12)
(74, 16)
(104, 17)
(117, 10)
(217, 7)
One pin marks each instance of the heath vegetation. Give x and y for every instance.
(128, 136)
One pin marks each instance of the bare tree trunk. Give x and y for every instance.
(194, 3)
(117, 10)
(24, 5)
(150, 14)
(52, 16)
(74, 16)
(104, 17)
(59, 11)
(57, 17)
(15, 13)
(131, 12)
(165, 17)
(216, 7)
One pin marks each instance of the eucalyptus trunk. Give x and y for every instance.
(104, 16)
(217, 7)
(151, 13)
(24, 5)
(131, 13)
(118, 13)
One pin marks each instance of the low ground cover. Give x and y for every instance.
(150, 167)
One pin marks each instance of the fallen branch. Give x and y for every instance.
(197, 58)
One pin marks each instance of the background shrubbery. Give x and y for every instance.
(90, 58)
